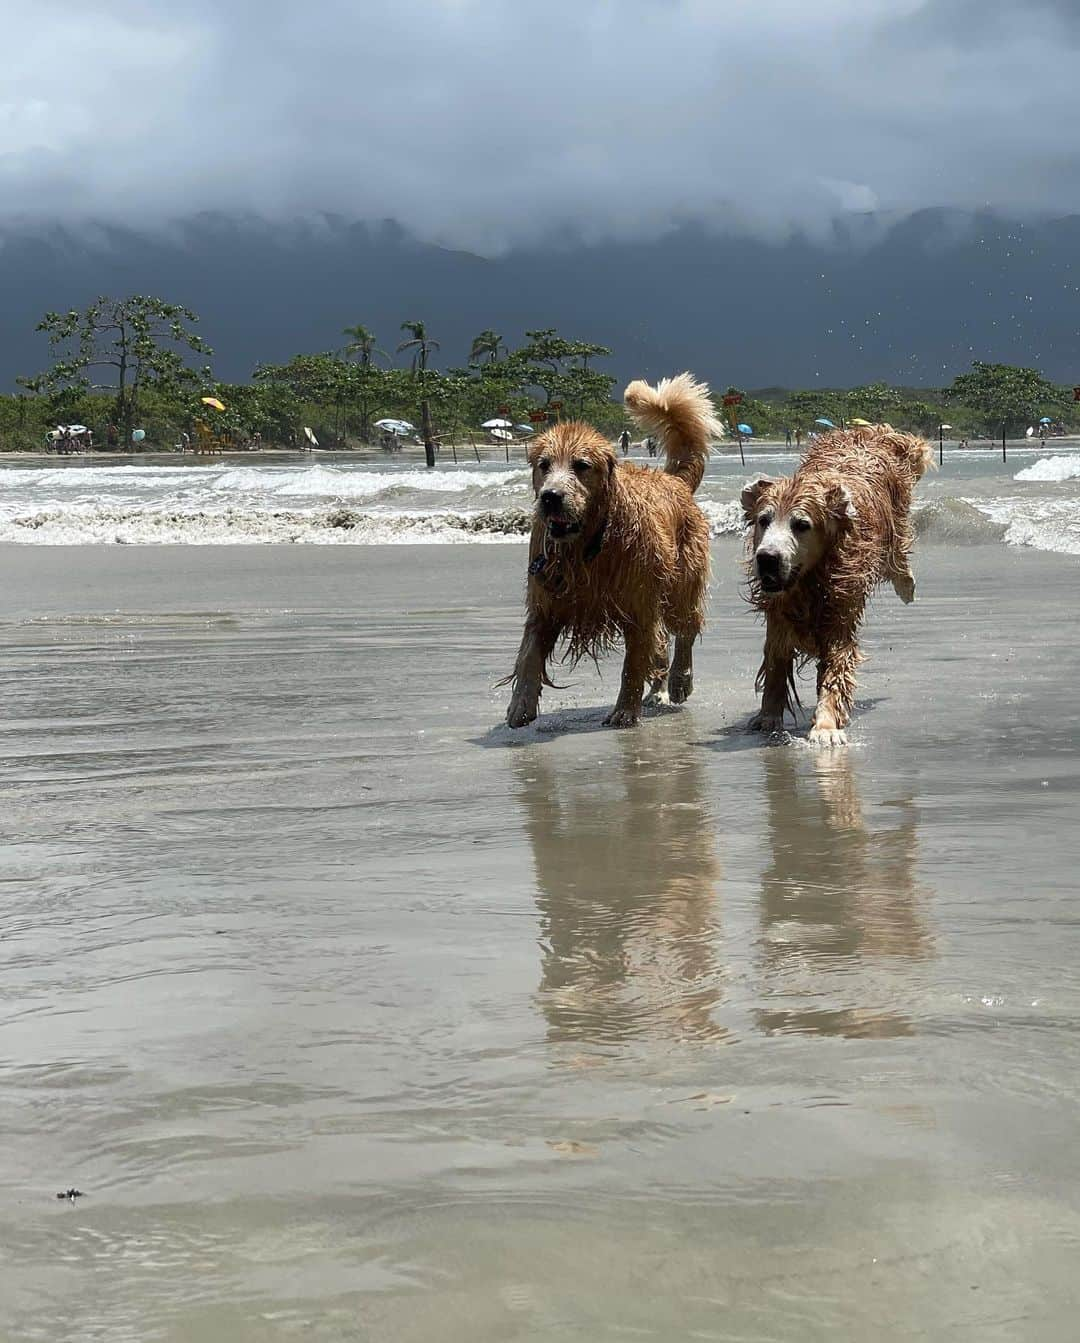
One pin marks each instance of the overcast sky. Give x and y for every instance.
(483, 123)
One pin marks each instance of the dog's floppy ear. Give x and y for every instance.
(751, 495)
(839, 502)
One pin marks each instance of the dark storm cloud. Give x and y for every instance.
(483, 124)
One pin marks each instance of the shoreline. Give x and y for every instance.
(491, 454)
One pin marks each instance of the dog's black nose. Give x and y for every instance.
(768, 564)
(551, 501)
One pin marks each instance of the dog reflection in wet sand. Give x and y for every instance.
(841, 914)
(626, 875)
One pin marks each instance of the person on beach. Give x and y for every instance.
(650, 446)
(798, 438)
(112, 436)
(787, 437)
(624, 441)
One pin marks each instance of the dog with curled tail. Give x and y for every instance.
(619, 552)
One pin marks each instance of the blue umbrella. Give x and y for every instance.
(827, 423)
(1046, 420)
(744, 429)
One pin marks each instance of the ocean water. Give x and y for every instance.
(1033, 499)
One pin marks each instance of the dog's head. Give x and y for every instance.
(795, 522)
(573, 468)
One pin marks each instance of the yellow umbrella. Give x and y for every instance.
(213, 401)
(863, 424)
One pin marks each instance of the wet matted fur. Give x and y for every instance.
(820, 543)
(619, 551)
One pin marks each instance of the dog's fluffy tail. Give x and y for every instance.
(681, 414)
(915, 451)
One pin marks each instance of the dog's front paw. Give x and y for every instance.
(521, 712)
(827, 737)
(904, 587)
(766, 722)
(621, 718)
(680, 686)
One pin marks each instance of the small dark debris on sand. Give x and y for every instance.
(70, 1194)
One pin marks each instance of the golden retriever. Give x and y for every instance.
(619, 551)
(820, 543)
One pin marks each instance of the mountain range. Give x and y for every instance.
(910, 300)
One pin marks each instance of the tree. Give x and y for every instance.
(545, 362)
(123, 346)
(1004, 395)
(487, 343)
(421, 346)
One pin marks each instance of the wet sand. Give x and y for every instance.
(356, 1016)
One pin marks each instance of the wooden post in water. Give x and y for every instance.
(941, 445)
(1003, 456)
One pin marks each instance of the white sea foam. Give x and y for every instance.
(87, 524)
(1051, 468)
(216, 503)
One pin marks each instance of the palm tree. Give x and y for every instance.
(421, 346)
(486, 343)
(362, 347)
(362, 344)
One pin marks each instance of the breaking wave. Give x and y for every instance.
(956, 521)
(216, 503)
(337, 525)
(1051, 468)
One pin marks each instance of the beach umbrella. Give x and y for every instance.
(212, 401)
(501, 434)
(76, 428)
(827, 423)
(744, 429)
(525, 428)
(137, 435)
(398, 427)
(1046, 420)
(863, 424)
(496, 424)
(310, 437)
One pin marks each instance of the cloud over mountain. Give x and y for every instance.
(491, 124)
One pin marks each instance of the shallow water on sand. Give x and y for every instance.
(357, 1016)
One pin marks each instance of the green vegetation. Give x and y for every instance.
(125, 348)
(128, 363)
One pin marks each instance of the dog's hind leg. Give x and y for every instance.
(903, 580)
(640, 653)
(681, 675)
(836, 694)
(537, 644)
(898, 563)
(658, 677)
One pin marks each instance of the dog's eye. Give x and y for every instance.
(800, 524)
(581, 467)
(764, 519)
(543, 464)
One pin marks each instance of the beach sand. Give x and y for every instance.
(355, 1015)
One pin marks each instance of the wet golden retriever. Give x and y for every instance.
(820, 543)
(619, 551)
